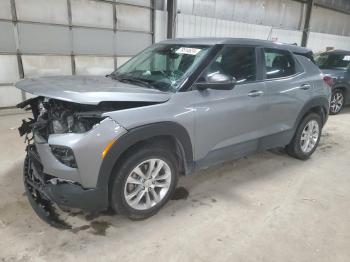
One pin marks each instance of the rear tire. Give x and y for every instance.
(337, 102)
(306, 138)
(138, 191)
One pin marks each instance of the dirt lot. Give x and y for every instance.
(266, 207)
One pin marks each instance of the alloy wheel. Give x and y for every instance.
(309, 136)
(147, 184)
(337, 102)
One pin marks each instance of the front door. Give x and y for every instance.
(228, 122)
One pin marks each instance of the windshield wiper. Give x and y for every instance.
(134, 80)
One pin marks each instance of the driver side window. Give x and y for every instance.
(235, 61)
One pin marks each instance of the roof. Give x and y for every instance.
(237, 41)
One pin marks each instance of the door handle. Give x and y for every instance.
(255, 93)
(305, 86)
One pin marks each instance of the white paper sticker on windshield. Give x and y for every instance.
(188, 50)
(346, 58)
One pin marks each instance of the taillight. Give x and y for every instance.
(328, 80)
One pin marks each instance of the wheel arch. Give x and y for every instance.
(165, 131)
(318, 105)
(339, 87)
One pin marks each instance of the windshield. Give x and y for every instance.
(162, 66)
(333, 61)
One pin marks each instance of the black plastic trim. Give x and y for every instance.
(319, 101)
(264, 143)
(72, 195)
(139, 134)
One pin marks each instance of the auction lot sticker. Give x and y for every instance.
(188, 50)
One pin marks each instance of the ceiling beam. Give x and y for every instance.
(338, 8)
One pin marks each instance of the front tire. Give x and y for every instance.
(306, 138)
(144, 182)
(337, 102)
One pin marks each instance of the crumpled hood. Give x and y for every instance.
(89, 90)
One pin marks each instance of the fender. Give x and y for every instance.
(139, 134)
(319, 101)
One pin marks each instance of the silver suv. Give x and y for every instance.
(121, 141)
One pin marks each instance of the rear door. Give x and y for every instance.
(287, 88)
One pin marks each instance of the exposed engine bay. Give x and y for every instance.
(52, 116)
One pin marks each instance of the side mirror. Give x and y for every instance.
(217, 81)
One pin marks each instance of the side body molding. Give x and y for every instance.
(139, 134)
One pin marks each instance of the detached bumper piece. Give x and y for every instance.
(26, 127)
(33, 184)
(44, 195)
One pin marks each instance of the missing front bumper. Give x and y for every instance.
(45, 197)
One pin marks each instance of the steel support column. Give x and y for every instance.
(171, 8)
(306, 29)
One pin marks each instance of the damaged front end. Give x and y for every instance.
(34, 185)
(65, 141)
(52, 116)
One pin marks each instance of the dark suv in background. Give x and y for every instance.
(336, 65)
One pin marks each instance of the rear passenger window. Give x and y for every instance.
(278, 63)
(238, 62)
